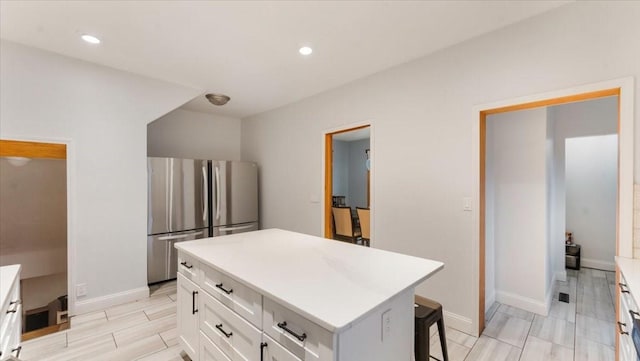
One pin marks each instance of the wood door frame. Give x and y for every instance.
(623, 88)
(328, 173)
(11, 146)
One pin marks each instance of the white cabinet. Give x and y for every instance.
(187, 316)
(10, 312)
(238, 299)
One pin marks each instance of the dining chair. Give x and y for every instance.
(364, 217)
(343, 227)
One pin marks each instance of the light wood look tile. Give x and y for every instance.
(95, 317)
(587, 350)
(563, 311)
(131, 334)
(77, 334)
(174, 353)
(555, 330)
(456, 351)
(592, 329)
(460, 338)
(159, 311)
(596, 307)
(85, 350)
(508, 329)
(170, 337)
(45, 345)
(536, 349)
(132, 307)
(516, 312)
(135, 350)
(489, 349)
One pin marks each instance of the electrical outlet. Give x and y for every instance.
(81, 289)
(386, 324)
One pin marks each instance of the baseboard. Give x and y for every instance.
(460, 323)
(525, 303)
(594, 263)
(561, 276)
(103, 302)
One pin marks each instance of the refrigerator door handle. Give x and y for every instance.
(179, 236)
(217, 193)
(226, 229)
(205, 198)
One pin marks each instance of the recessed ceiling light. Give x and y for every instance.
(90, 39)
(305, 50)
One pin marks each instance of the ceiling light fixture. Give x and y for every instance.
(90, 39)
(217, 99)
(305, 50)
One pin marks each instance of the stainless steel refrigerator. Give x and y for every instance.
(190, 199)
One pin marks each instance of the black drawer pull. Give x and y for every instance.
(634, 313)
(227, 291)
(219, 327)
(283, 325)
(193, 302)
(184, 263)
(263, 345)
(622, 332)
(623, 288)
(19, 348)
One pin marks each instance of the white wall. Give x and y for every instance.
(358, 173)
(591, 186)
(103, 113)
(33, 216)
(184, 133)
(341, 169)
(518, 177)
(583, 119)
(422, 116)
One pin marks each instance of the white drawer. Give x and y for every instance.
(237, 338)
(188, 267)
(209, 351)
(273, 351)
(233, 294)
(305, 339)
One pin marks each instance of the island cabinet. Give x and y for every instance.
(275, 295)
(10, 312)
(628, 289)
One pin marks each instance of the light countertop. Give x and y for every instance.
(7, 276)
(630, 268)
(331, 283)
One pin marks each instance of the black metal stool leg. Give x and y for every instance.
(443, 338)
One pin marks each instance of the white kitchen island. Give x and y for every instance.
(283, 296)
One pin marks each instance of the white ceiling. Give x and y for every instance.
(353, 135)
(249, 49)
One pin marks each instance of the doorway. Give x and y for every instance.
(347, 202)
(623, 89)
(33, 224)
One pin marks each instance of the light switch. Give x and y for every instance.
(466, 204)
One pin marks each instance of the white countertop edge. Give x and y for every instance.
(308, 315)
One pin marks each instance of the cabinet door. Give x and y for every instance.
(187, 316)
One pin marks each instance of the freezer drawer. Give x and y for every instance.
(236, 228)
(162, 257)
(178, 196)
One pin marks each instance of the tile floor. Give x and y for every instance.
(581, 330)
(141, 330)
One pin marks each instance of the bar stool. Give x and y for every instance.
(428, 312)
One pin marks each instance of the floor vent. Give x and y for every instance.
(563, 297)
